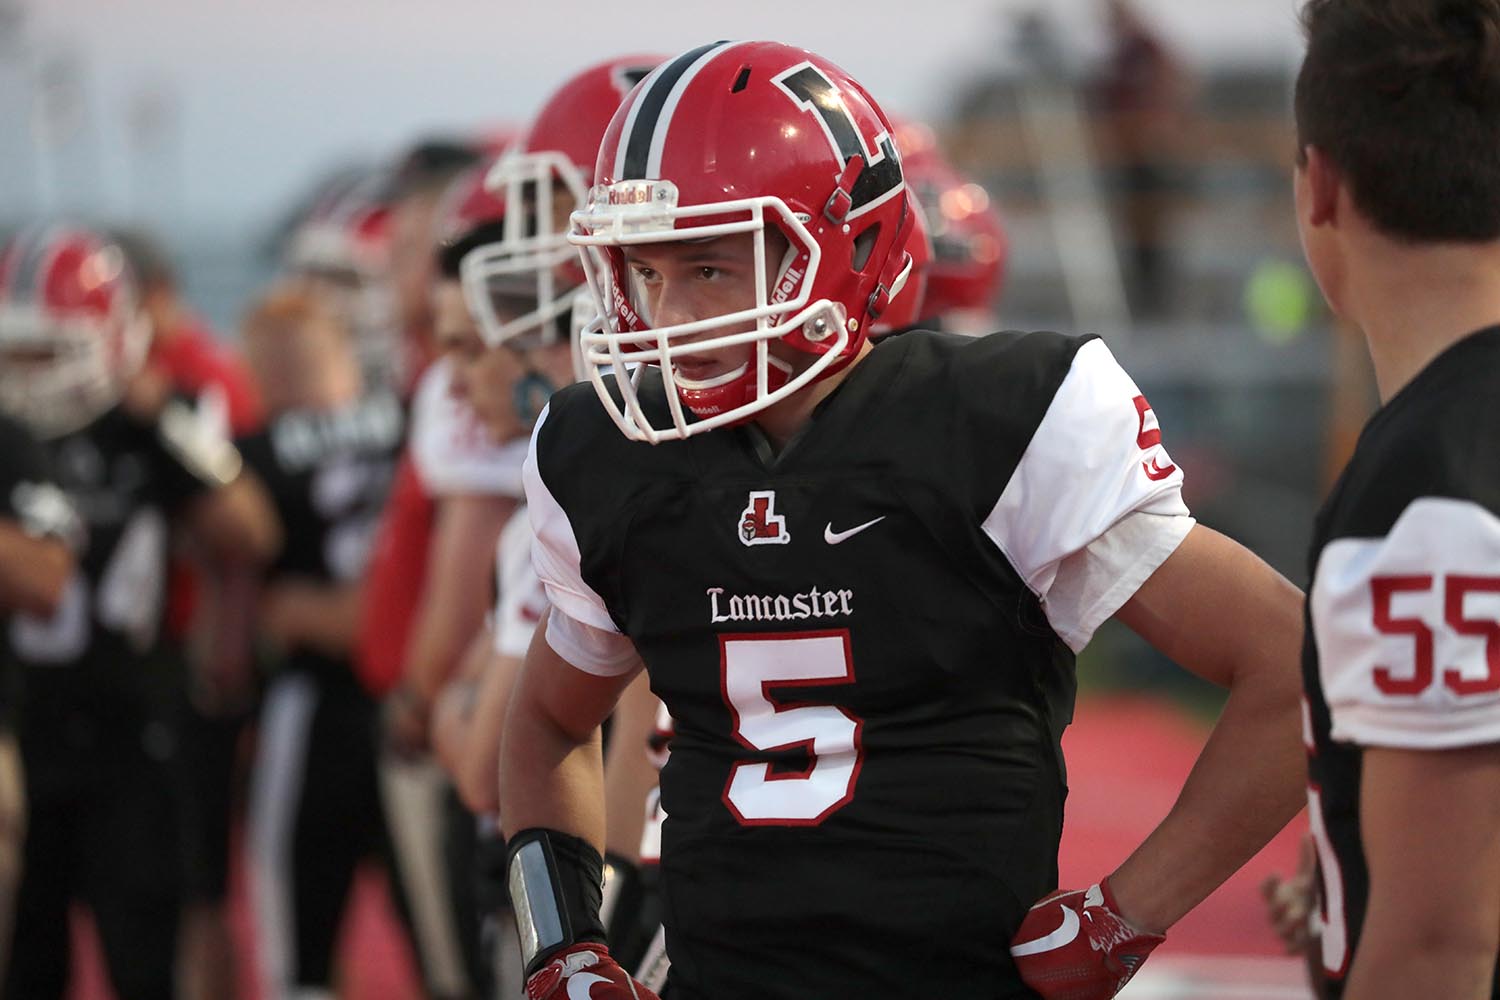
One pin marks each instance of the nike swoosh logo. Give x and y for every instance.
(1057, 939)
(834, 537)
(579, 985)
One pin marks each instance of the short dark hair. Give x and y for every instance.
(428, 166)
(1404, 97)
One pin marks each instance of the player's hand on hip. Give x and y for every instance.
(1292, 901)
(1074, 945)
(584, 972)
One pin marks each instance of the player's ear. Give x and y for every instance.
(1318, 184)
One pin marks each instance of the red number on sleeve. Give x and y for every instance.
(1382, 589)
(1460, 587)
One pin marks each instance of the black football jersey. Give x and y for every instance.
(84, 666)
(1402, 609)
(30, 496)
(31, 499)
(867, 645)
(328, 473)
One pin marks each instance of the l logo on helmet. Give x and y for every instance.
(812, 91)
(759, 522)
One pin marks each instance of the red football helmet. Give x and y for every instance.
(733, 138)
(72, 331)
(343, 246)
(545, 176)
(469, 218)
(469, 213)
(968, 240)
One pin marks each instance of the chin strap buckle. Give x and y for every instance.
(842, 199)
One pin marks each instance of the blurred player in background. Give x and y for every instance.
(865, 786)
(201, 607)
(342, 247)
(40, 539)
(326, 455)
(201, 366)
(1143, 92)
(1398, 204)
(429, 580)
(521, 282)
(99, 707)
(467, 215)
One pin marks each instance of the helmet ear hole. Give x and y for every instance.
(864, 245)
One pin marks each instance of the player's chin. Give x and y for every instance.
(711, 370)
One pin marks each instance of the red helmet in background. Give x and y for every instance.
(468, 214)
(735, 138)
(545, 176)
(72, 331)
(343, 246)
(968, 240)
(469, 217)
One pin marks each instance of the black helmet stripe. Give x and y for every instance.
(646, 114)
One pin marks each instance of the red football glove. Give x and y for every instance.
(584, 972)
(1074, 945)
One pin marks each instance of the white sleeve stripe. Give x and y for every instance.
(1125, 578)
(555, 554)
(521, 597)
(593, 651)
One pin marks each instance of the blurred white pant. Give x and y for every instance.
(414, 794)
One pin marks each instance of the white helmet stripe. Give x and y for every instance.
(636, 139)
(664, 120)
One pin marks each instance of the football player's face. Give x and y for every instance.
(411, 260)
(456, 334)
(678, 283)
(484, 377)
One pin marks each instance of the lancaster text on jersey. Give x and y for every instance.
(813, 603)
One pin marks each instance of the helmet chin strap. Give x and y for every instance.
(897, 269)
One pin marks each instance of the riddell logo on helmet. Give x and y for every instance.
(632, 194)
(788, 284)
(759, 522)
(623, 309)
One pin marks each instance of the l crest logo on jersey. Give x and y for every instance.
(759, 522)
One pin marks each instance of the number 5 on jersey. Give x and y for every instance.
(749, 666)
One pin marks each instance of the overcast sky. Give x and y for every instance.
(261, 94)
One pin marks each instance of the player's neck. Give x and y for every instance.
(1414, 305)
(782, 422)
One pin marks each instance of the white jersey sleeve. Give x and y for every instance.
(452, 450)
(521, 599)
(1408, 629)
(580, 628)
(1095, 505)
